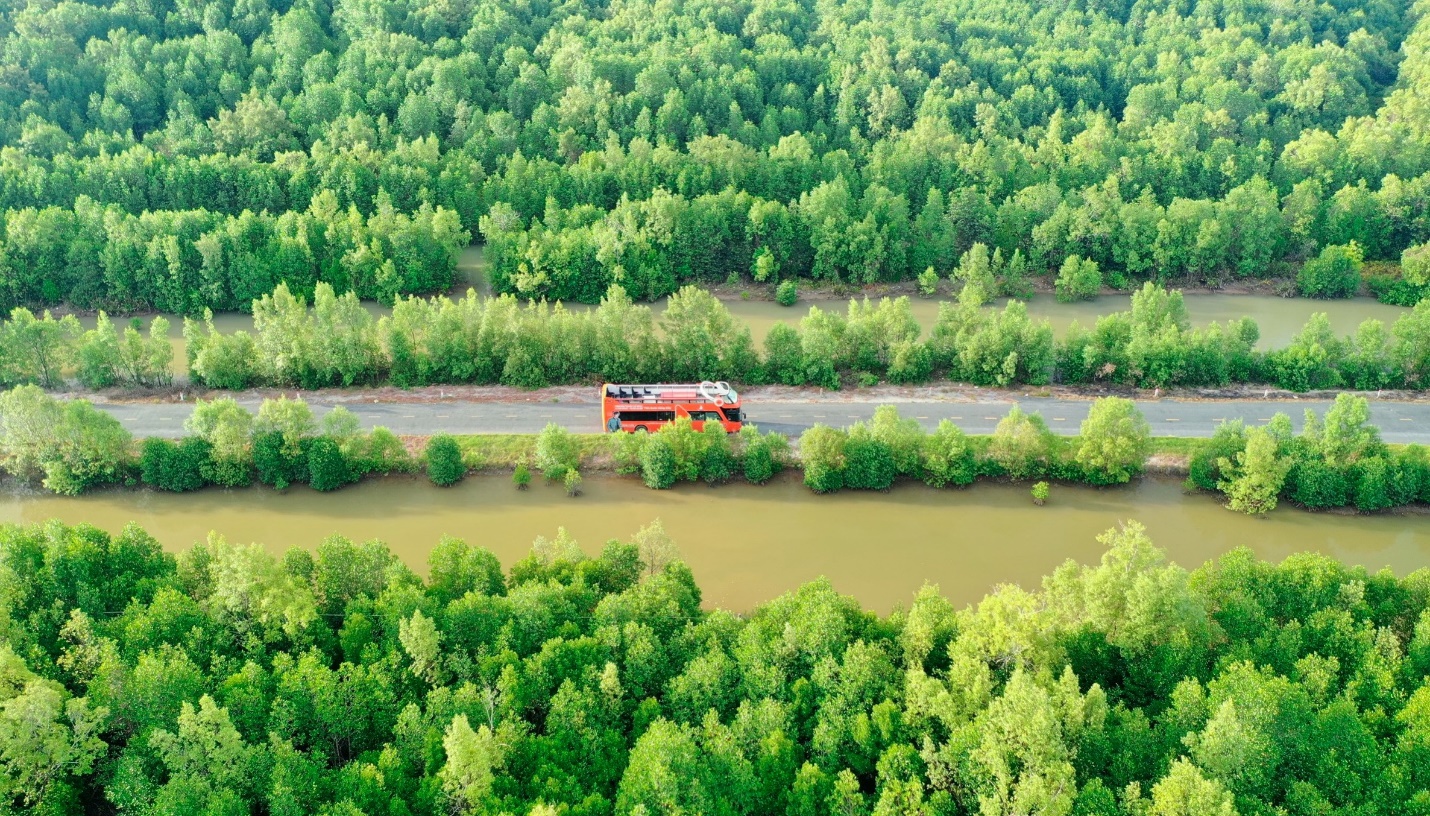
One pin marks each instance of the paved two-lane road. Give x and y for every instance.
(1398, 421)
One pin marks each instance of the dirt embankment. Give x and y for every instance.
(931, 392)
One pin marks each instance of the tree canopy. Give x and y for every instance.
(191, 155)
(335, 680)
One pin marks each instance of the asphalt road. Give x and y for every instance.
(1399, 421)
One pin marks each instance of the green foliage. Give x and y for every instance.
(226, 426)
(947, 457)
(1338, 460)
(381, 452)
(521, 477)
(556, 452)
(717, 463)
(1415, 265)
(1204, 467)
(658, 466)
(1374, 489)
(444, 461)
(494, 340)
(1129, 674)
(1335, 273)
(1115, 441)
(572, 482)
(275, 463)
(1022, 446)
(328, 467)
(868, 462)
(1255, 476)
(1041, 491)
(762, 455)
(787, 293)
(1318, 484)
(70, 446)
(1078, 279)
(290, 419)
(822, 455)
(928, 282)
(177, 467)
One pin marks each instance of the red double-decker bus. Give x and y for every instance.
(637, 408)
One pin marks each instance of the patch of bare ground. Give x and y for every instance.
(1168, 464)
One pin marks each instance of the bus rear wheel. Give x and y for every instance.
(641, 429)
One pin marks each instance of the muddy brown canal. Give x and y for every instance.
(749, 544)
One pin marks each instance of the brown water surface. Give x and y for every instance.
(749, 544)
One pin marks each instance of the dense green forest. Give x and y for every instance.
(190, 154)
(225, 680)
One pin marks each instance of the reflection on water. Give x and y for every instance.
(748, 544)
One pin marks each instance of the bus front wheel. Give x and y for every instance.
(640, 429)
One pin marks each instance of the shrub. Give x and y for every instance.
(759, 465)
(228, 472)
(1257, 475)
(1335, 273)
(1408, 476)
(1204, 470)
(868, 462)
(154, 456)
(383, 452)
(556, 451)
(1317, 485)
(444, 461)
(910, 362)
(1022, 445)
(928, 282)
(521, 477)
(626, 451)
(787, 293)
(1415, 264)
(328, 468)
(784, 356)
(903, 437)
(1396, 291)
(821, 452)
(718, 463)
(658, 463)
(177, 467)
(688, 446)
(1079, 279)
(947, 457)
(762, 454)
(277, 463)
(1041, 490)
(572, 481)
(1115, 442)
(1372, 484)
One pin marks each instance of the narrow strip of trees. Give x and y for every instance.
(1337, 460)
(334, 341)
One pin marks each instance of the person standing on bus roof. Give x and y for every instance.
(614, 425)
